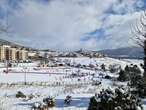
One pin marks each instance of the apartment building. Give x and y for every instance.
(12, 53)
(24, 54)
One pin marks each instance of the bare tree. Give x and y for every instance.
(139, 31)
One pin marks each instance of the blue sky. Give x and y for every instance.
(71, 24)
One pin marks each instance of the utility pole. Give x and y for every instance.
(7, 69)
(5, 29)
(25, 80)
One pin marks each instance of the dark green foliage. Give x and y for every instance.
(108, 77)
(133, 74)
(134, 70)
(123, 76)
(20, 95)
(141, 65)
(115, 100)
(103, 67)
(136, 80)
(114, 68)
(68, 100)
(127, 69)
(49, 101)
(130, 73)
(93, 104)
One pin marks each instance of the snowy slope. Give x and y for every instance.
(56, 82)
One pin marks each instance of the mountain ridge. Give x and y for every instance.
(125, 52)
(6, 42)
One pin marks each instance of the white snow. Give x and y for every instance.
(56, 82)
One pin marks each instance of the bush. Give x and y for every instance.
(123, 76)
(50, 102)
(45, 105)
(115, 100)
(20, 95)
(137, 83)
(39, 106)
(114, 68)
(136, 80)
(130, 73)
(68, 100)
(103, 67)
(142, 65)
(133, 74)
(108, 77)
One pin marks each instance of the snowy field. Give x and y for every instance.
(57, 82)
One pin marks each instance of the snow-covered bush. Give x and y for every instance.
(123, 76)
(39, 106)
(50, 102)
(142, 65)
(68, 100)
(132, 70)
(45, 105)
(91, 66)
(130, 73)
(103, 67)
(119, 99)
(96, 83)
(114, 68)
(137, 82)
(133, 74)
(20, 94)
(108, 77)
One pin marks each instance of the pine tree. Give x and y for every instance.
(123, 76)
(119, 99)
(133, 74)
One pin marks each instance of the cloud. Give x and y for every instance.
(119, 29)
(62, 24)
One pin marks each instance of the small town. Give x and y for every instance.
(72, 55)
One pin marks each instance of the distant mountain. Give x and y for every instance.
(127, 52)
(5, 42)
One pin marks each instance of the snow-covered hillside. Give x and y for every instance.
(57, 82)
